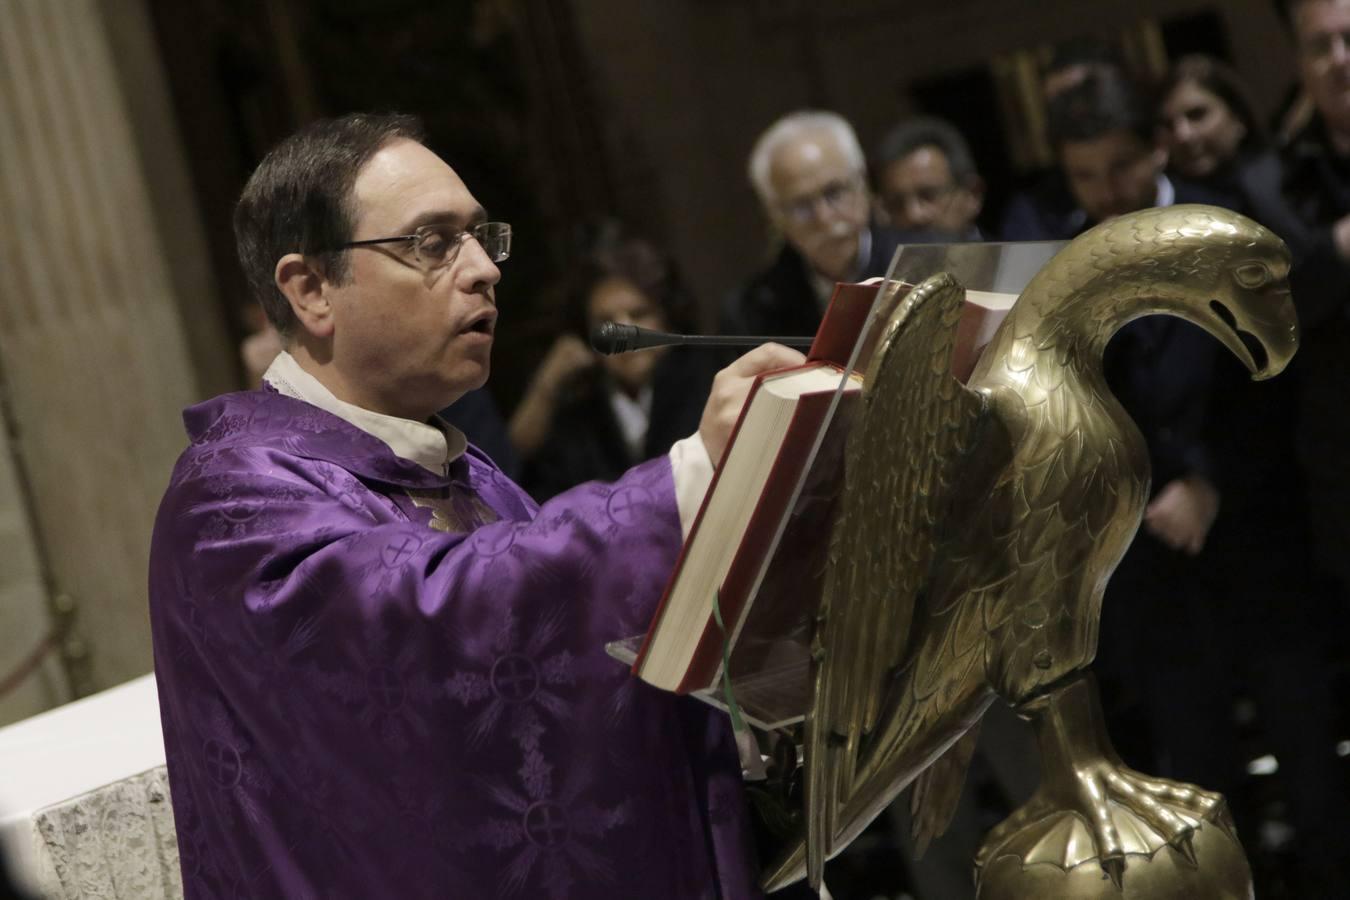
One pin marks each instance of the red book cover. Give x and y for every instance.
(843, 323)
(693, 531)
(770, 509)
(834, 342)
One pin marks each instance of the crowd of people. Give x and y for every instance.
(348, 556)
(1241, 557)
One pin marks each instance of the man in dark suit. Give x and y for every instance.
(1102, 130)
(1317, 163)
(1161, 369)
(1045, 204)
(1317, 185)
(809, 172)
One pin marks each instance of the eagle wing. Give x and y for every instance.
(913, 440)
(1023, 553)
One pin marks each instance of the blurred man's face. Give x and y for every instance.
(1114, 174)
(919, 192)
(1322, 32)
(820, 202)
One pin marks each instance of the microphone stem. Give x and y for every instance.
(749, 340)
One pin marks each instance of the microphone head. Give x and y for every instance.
(611, 337)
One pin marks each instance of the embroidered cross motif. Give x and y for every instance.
(546, 824)
(515, 678)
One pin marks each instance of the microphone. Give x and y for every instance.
(611, 337)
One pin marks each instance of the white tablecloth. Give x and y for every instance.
(84, 799)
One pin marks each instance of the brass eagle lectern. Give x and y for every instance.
(979, 525)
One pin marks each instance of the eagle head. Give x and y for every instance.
(1210, 266)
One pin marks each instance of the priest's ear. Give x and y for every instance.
(303, 284)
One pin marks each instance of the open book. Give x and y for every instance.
(756, 553)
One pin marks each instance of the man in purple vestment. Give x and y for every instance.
(381, 666)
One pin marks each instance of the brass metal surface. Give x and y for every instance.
(1178, 841)
(980, 522)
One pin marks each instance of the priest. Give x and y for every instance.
(381, 666)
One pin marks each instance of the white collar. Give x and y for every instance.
(1167, 192)
(633, 415)
(431, 446)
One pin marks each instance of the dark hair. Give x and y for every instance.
(299, 200)
(928, 131)
(1104, 102)
(1224, 83)
(614, 254)
(1089, 51)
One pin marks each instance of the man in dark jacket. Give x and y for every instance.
(1318, 184)
(1102, 130)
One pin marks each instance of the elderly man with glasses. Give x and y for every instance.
(381, 666)
(810, 175)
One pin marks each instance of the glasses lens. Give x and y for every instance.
(436, 245)
(495, 237)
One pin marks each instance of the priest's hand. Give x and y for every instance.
(732, 386)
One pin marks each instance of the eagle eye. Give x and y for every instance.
(1252, 275)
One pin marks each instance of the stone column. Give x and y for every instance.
(25, 620)
(101, 346)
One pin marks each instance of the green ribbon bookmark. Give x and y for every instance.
(737, 720)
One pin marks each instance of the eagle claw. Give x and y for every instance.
(1119, 811)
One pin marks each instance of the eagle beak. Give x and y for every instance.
(1264, 331)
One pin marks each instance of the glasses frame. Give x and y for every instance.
(835, 195)
(473, 231)
(927, 196)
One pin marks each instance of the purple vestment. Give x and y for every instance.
(357, 704)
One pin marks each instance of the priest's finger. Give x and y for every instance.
(731, 387)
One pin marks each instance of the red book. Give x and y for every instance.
(749, 504)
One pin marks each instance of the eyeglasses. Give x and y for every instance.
(836, 195)
(436, 245)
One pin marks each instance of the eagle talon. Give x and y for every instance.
(1119, 812)
(1184, 844)
(1114, 867)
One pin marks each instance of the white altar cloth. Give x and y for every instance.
(84, 802)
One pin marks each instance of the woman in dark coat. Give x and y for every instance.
(1214, 139)
(626, 408)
